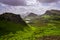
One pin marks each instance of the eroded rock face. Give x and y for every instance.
(12, 17)
(10, 22)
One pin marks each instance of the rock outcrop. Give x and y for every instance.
(10, 22)
(13, 18)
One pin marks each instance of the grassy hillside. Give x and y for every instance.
(6, 27)
(48, 25)
(11, 23)
(33, 33)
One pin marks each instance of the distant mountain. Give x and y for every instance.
(10, 22)
(32, 14)
(50, 16)
(30, 17)
(53, 12)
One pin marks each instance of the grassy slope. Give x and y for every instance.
(7, 27)
(33, 33)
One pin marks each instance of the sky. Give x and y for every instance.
(24, 7)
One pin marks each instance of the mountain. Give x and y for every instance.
(53, 12)
(50, 16)
(32, 14)
(10, 22)
(30, 17)
(12, 17)
(45, 27)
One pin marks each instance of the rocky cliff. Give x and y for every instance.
(10, 22)
(12, 17)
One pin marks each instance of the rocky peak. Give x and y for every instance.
(12, 17)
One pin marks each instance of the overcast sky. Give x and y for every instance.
(26, 6)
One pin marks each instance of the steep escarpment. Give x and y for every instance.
(10, 22)
(13, 18)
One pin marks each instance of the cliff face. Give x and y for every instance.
(12, 17)
(10, 22)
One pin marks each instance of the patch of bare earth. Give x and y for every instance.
(49, 38)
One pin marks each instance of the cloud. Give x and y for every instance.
(34, 6)
(47, 1)
(14, 2)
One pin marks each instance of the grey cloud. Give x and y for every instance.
(14, 2)
(47, 1)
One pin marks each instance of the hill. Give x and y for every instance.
(10, 22)
(32, 14)
(50, 16)
(47, 26)
(12, 18)
(30, 17)
(49, 23)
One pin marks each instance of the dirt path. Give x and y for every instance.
(49, 38)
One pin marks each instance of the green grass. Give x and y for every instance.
(7, 27)
(19, 35)
(29, 33)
